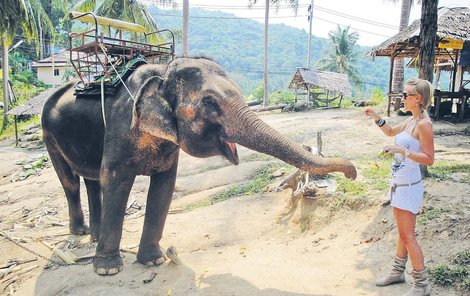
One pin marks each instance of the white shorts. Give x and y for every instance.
(408, 198)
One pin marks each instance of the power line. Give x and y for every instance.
(254, 18)
(316, 7)
(355, 18)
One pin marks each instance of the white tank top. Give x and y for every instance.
(405, 170)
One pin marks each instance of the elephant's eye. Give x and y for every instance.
(211, 107)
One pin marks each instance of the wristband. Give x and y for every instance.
(380, 122)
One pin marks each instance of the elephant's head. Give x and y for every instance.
(206, 115)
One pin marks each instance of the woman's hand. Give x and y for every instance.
(371, 112)
(392, 149)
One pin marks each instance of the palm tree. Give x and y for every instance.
(427, 39)
(342, 54)
(126, 10)
(398, 68)
(294, 4)
(399, 65)
(31, 18)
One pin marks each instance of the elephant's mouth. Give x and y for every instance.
(229, 151)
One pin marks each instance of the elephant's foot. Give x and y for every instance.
(79, 229)
(107, 264)
(150, 256)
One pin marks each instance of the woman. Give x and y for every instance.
(414, 145)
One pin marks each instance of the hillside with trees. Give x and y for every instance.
(237, 44)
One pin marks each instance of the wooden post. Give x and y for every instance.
(16, 131)
(392, 61)
(454, 72)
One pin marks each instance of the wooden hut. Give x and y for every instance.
(452, 43)
(321, 88)
(31, 107)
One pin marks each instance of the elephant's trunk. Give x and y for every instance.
(246, 129)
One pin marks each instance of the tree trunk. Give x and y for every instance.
(185, 27)
(266, 29)
(6, 99)
(399, 67)
(427, 44)
(427, 39)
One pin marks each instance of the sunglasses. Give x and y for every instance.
(405, 95)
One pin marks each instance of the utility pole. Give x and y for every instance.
(310, 16)
(185, 28)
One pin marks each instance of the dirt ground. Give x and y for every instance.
(239, 246)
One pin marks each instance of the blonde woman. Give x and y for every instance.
(414, 145)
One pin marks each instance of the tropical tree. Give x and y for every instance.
(294, 4)
(399, 67)
(28, 16)
(427, 39)
(342, 54)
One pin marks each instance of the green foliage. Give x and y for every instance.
(256, 156)
(444, 169)
(33, 166)
(377, 97)
(259, 179)
(457, 273)
(462, 258)
(279, 97)
(9, 131)
(341, 54)
(350, 192)
(258, 93)
(378, 172)
(431, 215)
(24, 89)
(237, 44)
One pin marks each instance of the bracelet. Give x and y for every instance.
(380, 122)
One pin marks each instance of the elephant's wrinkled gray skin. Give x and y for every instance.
(189, 104)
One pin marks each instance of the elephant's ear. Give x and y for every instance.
(152, 113)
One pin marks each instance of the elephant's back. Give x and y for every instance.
(75, 126)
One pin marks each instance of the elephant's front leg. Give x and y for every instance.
(159, 198)
(116, 185)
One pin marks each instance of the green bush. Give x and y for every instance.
(377, 97)
(457, 274)
(281, 98)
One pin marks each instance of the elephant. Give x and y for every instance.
(189, 103)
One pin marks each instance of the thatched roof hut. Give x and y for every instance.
(330, 81)
(33, 106)
(452, 23)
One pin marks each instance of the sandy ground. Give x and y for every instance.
(240, 246)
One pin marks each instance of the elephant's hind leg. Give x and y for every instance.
(71, 184)
(94, 203)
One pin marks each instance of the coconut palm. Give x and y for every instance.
(294, 4)
(342, 54)
(31, 18)
(398, 67)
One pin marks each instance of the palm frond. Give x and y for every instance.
(85, 6)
